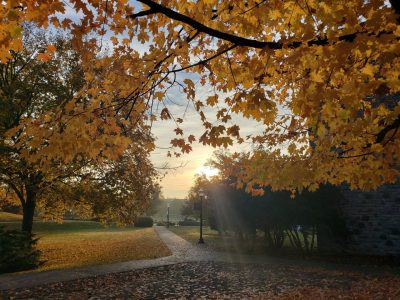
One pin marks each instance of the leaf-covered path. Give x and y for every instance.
(218, 280)
(193, 271)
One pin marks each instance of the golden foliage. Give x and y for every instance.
(8, 197)
(64, 144)
(316, 75)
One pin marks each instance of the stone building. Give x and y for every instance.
(372, 220)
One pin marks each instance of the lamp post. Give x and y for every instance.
(201, 195)
(168, 215)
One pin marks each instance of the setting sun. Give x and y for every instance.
(207, 171)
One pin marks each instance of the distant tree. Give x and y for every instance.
(188, 210)
(191, 207)
(155, 200)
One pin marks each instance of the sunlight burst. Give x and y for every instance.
(207, 171)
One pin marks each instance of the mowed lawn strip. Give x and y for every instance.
(84, 243)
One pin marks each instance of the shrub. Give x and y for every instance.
(144, 222)
(17, 251)
(275, 237)
(164, 223)
(188, 222)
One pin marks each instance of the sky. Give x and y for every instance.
(177, 182)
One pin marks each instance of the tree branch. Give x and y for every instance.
(396, 7)
(17, 191)
(201, 62)
(381, 134)
(157, 8)
(237, 40)
(143, 13)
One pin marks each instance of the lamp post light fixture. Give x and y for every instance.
(202, 196)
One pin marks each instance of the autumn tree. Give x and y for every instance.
(30, 87)
(321, 76)
(53, 160)
(116, 190)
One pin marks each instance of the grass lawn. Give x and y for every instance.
(230, 243)
(83, 243)
(9, 217)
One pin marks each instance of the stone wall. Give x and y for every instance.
(373, 220)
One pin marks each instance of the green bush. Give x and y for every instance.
(144, 222)
(17, 251)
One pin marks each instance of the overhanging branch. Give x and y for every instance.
(237, 40)
(157, 8)
(201, 62)
(382, 134)
(143, 13)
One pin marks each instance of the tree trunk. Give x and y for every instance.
(28, 210)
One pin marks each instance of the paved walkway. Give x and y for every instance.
(183, 253)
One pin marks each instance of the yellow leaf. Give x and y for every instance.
(212, 100)
(376, 148)
(43, 57)
(368, 70)
(292, 149)
(316, 77)
(191, 138)
(51, 49)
